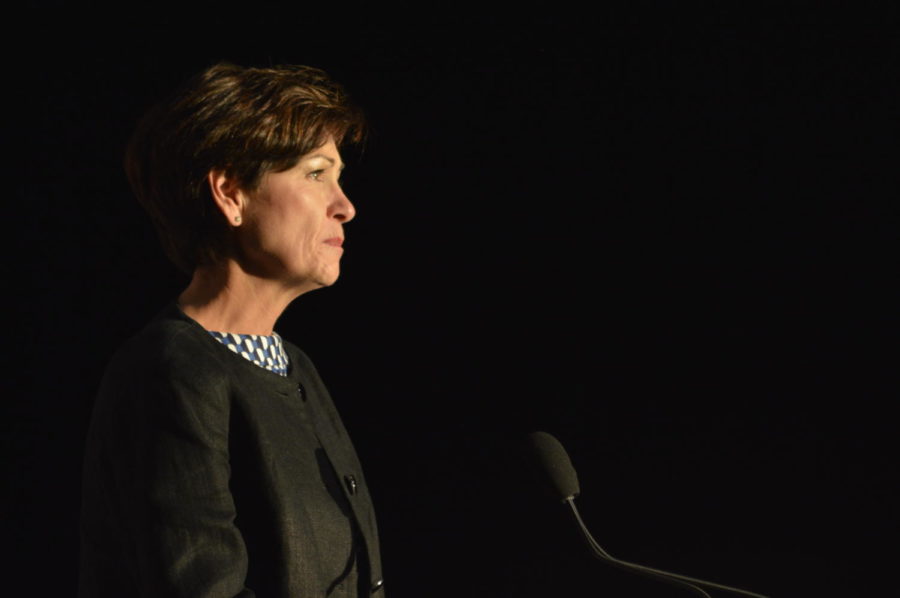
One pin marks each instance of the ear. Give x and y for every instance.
(228, 196)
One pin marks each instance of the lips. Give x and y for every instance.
(334, 241)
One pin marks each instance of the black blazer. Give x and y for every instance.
(208, 476)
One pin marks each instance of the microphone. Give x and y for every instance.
(554, 463)
(559, 476)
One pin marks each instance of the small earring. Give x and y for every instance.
(237, 219)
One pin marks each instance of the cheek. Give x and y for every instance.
(303, 241)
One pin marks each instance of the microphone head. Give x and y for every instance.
(553, 465)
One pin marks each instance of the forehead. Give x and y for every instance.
(327, 151)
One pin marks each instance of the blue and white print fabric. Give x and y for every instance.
(265, 351)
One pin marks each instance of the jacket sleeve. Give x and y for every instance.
(166, 450)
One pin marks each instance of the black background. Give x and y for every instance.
(673, 246)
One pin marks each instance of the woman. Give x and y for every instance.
(216, 463)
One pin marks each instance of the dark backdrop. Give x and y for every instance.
(674, 247)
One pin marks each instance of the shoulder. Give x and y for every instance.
(171, 353)
(167, 381)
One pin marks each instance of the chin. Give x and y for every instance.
(310, 279)
(325, 280)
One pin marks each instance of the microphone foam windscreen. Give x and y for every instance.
(554, 465)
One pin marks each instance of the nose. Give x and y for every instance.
(342, 209)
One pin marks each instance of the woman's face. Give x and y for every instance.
(292, 228)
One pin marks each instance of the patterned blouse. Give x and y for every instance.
(265, 351)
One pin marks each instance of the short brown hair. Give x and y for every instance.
(245, 121)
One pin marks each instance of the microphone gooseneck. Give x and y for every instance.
(559, 473)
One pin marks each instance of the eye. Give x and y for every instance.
(316, 174)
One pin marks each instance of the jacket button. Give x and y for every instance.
(301, 392)
(351, 483)
(377, 585)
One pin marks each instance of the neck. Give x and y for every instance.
(226, 298)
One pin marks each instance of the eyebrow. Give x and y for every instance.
(330, 159)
